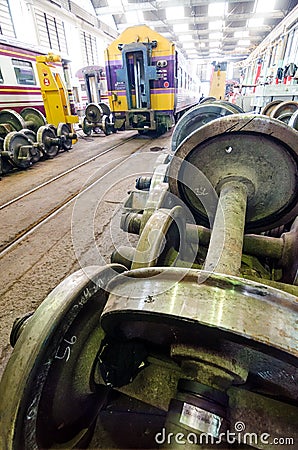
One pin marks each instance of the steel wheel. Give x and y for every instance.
(34, 152)
(48, 397)
(87, 127)
(47, 138)
(13, 144)
(64, 131)
(34, 118)
(195, 118)
(12, 118)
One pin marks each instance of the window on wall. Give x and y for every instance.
(24, 72)
(6, 23)
(89, 49)
(51, 32)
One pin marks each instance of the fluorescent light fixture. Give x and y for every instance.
(188, 45)
(214, 44)
(243, 42)
(263, 7)
(202, 44)
(254, 23)
(217, 9)
(175, 12)
(216, 25)
(185, 37)
(180, 27)
(217, 35)
(241, 34)
(134, 17)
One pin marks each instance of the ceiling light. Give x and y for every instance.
(216, 25)
(214, 44)
(244, 42)
(134, 17)
(217, 9)
(241, 34)
(217, 35)
(202, 44)
(262, 6)
(180, 27)
(185, 37)
(174, 12)
(254, 23)
(189, 45)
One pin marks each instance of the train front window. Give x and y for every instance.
(24, 72)
(1, 78)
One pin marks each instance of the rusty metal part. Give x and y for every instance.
(283, 108)
(48, 399)
(266, 111)
(196, 117)
(256, 148)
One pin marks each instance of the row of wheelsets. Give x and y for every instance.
(26, 137)
(190, 335)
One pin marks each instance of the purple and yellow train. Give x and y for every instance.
(149, 83)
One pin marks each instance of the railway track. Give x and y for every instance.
(22, 228)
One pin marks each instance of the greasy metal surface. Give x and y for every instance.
(47, 400)
(195, 118)
(93, 113)
(164, 230)
(226, 242)
(260, 149)
(46, 136)
(231, 307)
(33, 118)
(12, 118)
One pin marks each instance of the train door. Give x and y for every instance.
(136, 73)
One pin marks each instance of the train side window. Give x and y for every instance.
(1, 78)
(24, 72)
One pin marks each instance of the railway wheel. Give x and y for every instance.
(293, 122)
(196, 117)
(267, 110)
(48, 141)
(34, 152)
(13, 119)
(48, 396)
(18, 147)
(63, 132)
(256, 149)
(87, 127)
(94, 112)
(34, 119)
(284, 108)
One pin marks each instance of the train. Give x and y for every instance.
(150, 84)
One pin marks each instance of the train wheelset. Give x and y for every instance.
(192, 331)
(26, 137)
